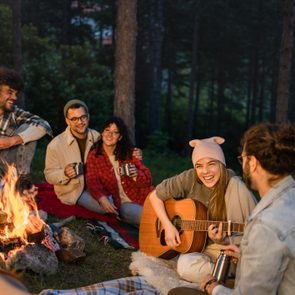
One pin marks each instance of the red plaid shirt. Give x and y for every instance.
(101, 180)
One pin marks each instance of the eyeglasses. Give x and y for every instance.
(108, 132)
(82, 118)
(240, 159)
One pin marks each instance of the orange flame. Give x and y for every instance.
(19, 210)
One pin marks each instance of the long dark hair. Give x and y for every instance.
(124, 147)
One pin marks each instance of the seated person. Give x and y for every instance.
(68, 151)
(105, 176)
(225, 196)
(19, 129)
(266, 263)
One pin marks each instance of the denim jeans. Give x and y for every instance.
(20, 155)
(129, 212)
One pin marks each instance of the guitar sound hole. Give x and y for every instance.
(162, 238)
(176, 222)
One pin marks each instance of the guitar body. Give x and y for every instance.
(152, 235)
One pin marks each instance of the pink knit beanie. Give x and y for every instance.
(208, 147)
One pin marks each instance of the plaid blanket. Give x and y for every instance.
(130, 285)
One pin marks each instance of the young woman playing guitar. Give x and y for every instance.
(211, 183)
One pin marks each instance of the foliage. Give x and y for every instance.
(56, 75)
(5, 35)
(158, 142)
(237, 63)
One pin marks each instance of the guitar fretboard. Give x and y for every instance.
(202, 225)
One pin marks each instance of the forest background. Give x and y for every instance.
(184, 69)
(201, 68)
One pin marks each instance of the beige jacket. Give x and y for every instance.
(61, 151)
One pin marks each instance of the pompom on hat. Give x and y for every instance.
(207, 148)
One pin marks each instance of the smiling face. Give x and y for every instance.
(78, 121)
(8, 98)
(208, 171)
(111, 135)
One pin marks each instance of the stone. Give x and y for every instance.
(35, 257)
(72, 246)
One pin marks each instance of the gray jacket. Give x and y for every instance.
(267, 264)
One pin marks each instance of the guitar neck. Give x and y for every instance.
(202, 225)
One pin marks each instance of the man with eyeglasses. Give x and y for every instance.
(66, 155)
(67, 152)
(19, 129)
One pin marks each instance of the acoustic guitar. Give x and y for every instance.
(189, 217)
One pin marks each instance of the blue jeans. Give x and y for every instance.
(20, 155)
(129, 212)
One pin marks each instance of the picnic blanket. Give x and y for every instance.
(130, 285)
(48, 201)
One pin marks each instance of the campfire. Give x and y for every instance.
(19, 219)
(22, 231)
(26, 241)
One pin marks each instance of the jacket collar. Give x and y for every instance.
(273, 194)
(70, 138)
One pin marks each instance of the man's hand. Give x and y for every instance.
(9, 141)
(107, 206)
(233, 251)
(30, 193)
(208, 284)
(70, 171)
(137, 153)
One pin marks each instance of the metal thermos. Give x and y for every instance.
(221, 267)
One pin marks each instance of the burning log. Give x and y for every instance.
(3, 217)
(11, 244)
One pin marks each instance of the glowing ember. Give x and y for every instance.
(20, 212)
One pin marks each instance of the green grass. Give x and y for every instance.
(102, 262)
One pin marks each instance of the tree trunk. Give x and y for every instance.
(285, 63)
(168, 103)
(197, 100)
(262, 91)
(156, 15)
(190, 109)
(17, 42)
(211, 94)
(66, 10)
(126, 29)
(255, 65)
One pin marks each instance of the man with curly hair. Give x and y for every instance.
(19, 129)
(266, 257)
